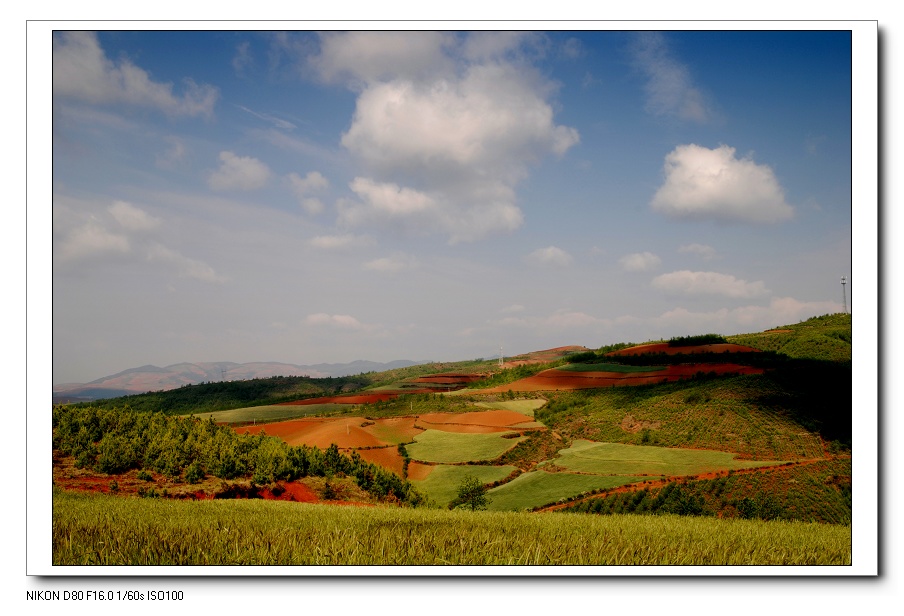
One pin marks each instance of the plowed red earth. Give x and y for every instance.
(664, 348)
(550, 380)
(346, 433)
(387, 457)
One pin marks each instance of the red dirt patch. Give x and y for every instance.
(665, 349)
(550, 380)
(418, 471)
(387, 457)
(346, 433)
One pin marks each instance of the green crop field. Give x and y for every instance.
(270, 413)
(526, 407)
(441, 485)
(103, 530)
(451, 447)
(538, 488)
(618, 459)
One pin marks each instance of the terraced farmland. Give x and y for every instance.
(442, 482)
(539, 488)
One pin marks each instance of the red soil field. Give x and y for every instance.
(550, 380)
(346, 433)
(664, 348)
(387, 457)
(418, 471)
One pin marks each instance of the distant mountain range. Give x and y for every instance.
(152, 378)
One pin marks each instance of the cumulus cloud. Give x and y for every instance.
(132, 218)
(82, 71)
(670, 90)
(239, 173)
(551, 255)
(366, 57)
(709, 283)
(302, 187)
(639, 262)
(391, 264)
(444, 125)
(701, 250)
(702, 184)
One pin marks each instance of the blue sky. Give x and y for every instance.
(304, 197)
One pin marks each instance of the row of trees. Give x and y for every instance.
(114, 441)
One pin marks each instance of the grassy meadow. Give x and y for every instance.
(452, 447)
(103, 530)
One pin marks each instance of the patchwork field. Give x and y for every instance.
(451, 447)
(568, 379)
(618, 459)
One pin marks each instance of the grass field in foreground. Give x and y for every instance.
(616, 458)
(539, 488)
(274, 412)
(104, 530)
(441, 485)
(450, 447)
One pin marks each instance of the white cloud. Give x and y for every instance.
(372, 56)
(752, 318)
(551, 255)
(670, 89)
(91, 239)
(333, 242)
(239, 173)
(449, 125)
(338, 321)
(302, 187)
(132, 218)
(82, 71)
(701, 250)
(277, 122)
(709, 283)
(185, 266)
(640, 262)
(391, 264)
(712, 184)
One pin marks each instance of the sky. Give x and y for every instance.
(309, 197)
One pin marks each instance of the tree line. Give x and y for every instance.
(114, 441)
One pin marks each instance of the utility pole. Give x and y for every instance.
(844, 294)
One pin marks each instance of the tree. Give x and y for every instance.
(472, 494)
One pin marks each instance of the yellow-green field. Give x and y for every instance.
(452, 447)
(103, 530)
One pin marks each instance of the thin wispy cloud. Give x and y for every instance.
(670, 90)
